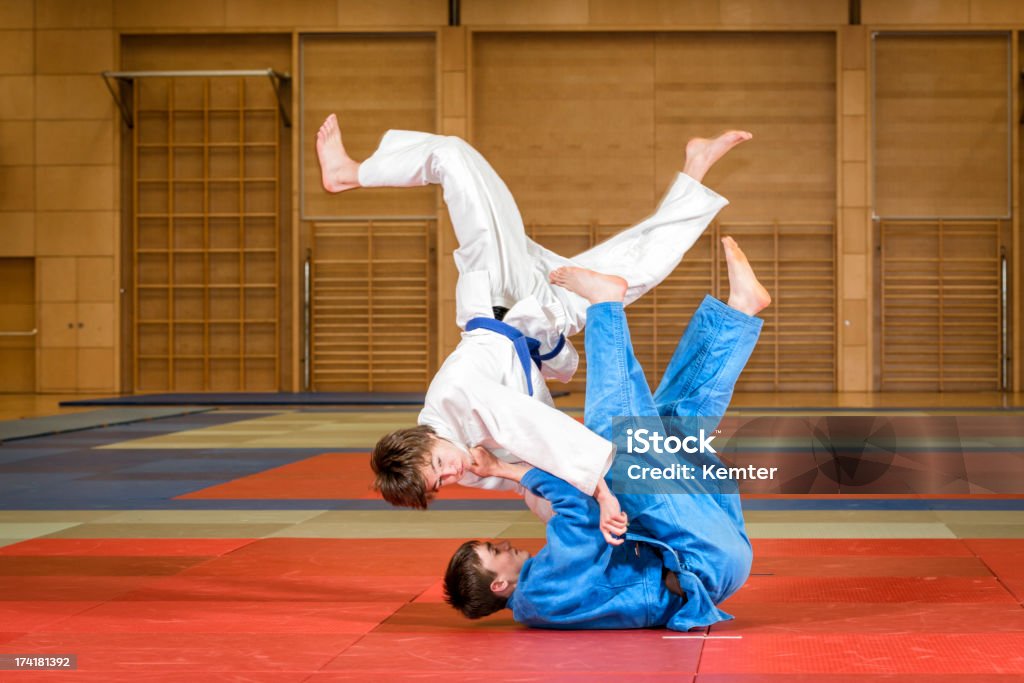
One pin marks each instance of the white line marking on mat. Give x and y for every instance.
(701, 637)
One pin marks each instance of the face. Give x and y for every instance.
(502, 559)
(446, 463)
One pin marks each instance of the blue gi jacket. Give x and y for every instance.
(578, 581)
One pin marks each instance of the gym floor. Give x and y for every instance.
(246, 545)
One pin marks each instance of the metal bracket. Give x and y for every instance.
(277, 79)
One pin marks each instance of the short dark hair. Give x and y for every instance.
(396, 462)
(467, 585)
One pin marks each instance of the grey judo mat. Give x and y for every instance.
(73, 422)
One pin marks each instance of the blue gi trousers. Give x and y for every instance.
(703, 528)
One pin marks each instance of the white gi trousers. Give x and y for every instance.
(479, 395)
(492, 239)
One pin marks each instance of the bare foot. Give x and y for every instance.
(339, 172)
(702, 153)
(593, 286)
(746, 294)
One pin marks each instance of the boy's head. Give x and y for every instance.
(481, 576)
(412, 464)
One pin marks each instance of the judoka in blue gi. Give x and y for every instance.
(684, 552)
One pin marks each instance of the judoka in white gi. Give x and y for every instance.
(491, 391)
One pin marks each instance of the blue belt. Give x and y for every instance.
(527, 348)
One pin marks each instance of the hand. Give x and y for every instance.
(613, 520)
(484, 463)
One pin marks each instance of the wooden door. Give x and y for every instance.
(76, 324)
(17, 325)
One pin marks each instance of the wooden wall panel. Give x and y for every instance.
(17, 97)
(73, 51)
(74, 13)
(532, 12)
(372, 83)
(206, 51)
(567, 120)
(16, 52)
(393, 13)
(779, 86)
(941, 125)
(19, 234)
(916, 12)
(273, 13)
(16, 142)
(158, 14)
(660, 13)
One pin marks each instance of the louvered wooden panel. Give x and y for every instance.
(796, 263)
(206, 234)
(371, 306)
(940, 305)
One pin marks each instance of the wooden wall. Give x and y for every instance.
(942, 125)
(58, 194)
(62, 193)
(372, 252)
(944, 208)
(588, 129)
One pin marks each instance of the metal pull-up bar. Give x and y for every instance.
(276, 79)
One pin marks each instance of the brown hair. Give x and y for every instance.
(396, 460)
(467, 585)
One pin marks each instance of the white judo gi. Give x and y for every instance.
(479, 396)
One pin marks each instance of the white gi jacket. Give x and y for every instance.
(479, 398)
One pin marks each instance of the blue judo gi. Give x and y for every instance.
(578, 581)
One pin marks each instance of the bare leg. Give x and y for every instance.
(746, 294)
(702, 153)
(339, 172)
(593, 286)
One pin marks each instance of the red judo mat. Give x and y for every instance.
(296, 609)
(327, 476)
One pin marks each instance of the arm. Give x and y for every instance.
(497, 416)
(564, 499)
